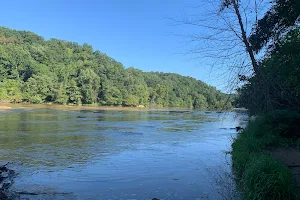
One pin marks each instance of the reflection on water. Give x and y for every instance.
(118, 154)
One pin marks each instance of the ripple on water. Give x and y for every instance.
(116, 154)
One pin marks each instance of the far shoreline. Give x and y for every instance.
(10, 106)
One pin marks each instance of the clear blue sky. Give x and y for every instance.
(135, 32)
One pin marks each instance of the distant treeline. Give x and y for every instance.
(37, 71)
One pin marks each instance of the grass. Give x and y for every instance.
(259, 175)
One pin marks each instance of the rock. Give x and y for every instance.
(179, 111)
(238, 128)
(3, 168)
(80, 117)
(155, 199)
(4, 174)
(6, 184)
(2, 196)
(6, 177)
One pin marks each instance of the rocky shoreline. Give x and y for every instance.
(6, 180)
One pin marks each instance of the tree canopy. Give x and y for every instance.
(277, 84)
(278, 20)
(280, 72)
(36, 70)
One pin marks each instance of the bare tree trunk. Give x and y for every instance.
(244, 37)
(264, 83)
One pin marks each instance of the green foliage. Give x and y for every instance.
(283, 123)
(11, 90)
(266, 178)
(278, 84)
(261, 176)
(274, 94)
(73, 92)
(277, 21)
(131, 100)
(36, 70)
(35, 99)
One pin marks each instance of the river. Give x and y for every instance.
(111, 154)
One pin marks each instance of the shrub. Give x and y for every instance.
(35, 99)
(284, 123)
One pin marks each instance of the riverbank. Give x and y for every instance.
(259, 156)
(5, 107)
(9, 106)
(65, 107)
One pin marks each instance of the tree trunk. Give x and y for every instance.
(244, 36)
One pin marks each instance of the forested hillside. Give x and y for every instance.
(37, 71)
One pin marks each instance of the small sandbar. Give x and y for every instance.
(5, 108)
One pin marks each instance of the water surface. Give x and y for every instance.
(119, 154)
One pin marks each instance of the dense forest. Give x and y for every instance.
(36, 70)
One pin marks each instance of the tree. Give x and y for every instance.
(131, 100)
(89, 82)
(281, 69)
(60, 95)
(11, 90)
(36, 70)
(280, 18)
(243, 37)
(73, 93)
(222, 37)
(273, 87)
(200, 102)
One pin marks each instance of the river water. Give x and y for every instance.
(86, 154)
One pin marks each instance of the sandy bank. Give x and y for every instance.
(5, 108)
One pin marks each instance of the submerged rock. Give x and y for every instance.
(238, 128)
(80, 117)
(6, 180)
(2, 196)
(179, 111)
(6, 177)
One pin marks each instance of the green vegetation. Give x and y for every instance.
(273, 95)
(261, 176)
(37, 71)
(278, 85)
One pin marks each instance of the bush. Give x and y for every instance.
(284, 123)
(35, 99)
